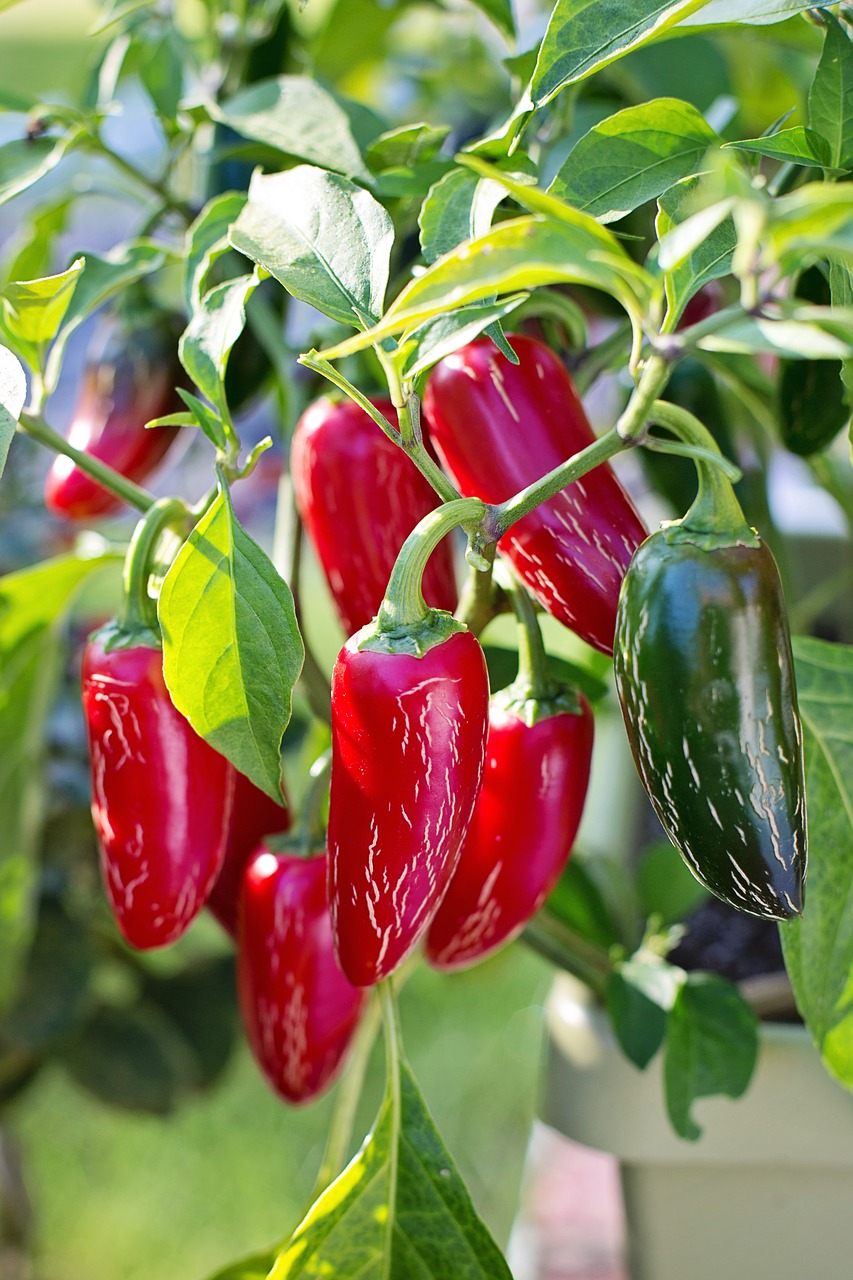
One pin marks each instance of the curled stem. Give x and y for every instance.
(133, 494)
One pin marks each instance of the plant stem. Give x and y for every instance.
(477, 604)
(314, 682)
(653, 379)
(138, 612)
(404, 604)
(715, 508)
(347, 1098)
(156, 187)
(534, 672)
(567, 949)
(135, 496)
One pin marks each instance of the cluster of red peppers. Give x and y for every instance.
(452, 814)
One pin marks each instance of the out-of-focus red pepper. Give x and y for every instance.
(298, 1009)
(499, 427)
(359, 497)
(130, 378)
(253, 815)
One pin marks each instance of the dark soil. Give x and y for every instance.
(729, 943)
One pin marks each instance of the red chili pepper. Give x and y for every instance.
(359, 497)
(499, 427)
(410, 698)
(298, 1009)
(525, 822)
(253, 815)
(130, 378)
(161, 797)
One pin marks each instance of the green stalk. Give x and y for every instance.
(404, 606)
(715, 508)
(653, 379)
(347, 1098)
(135, 496)
(138, 614)
(534, 673)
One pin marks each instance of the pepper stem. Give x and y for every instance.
(715, 508)
(534, 673)
(404, 605)
(139, 612)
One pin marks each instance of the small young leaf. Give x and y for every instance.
(831, 94)
(438, 338)
(459, 207)
(325, 239)
(214, 327)
(406, 147)
(231, 647)
(297, 116)
(205, 418)
(206, 240)
(25, 160)
(585, 35)
(711, 1046)
(818, 947)
(688, 266)
(802, 146)
(399, 1210)
(632, 157)
(34, 309)
(13, 393)
(639, 995)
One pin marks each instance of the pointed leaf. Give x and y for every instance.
(325, 239)
(439, 338)
(400, 1210)
(802, 146)
(206, 240)
(831, 94)
(25, 160)
(689, 264)
(633, 156)
(214, 327)
(639, 995)
(13, 393)
(34, 309)
(297, 116)
(406, 147)
(459, 207)
(759, 12)
(231, 647)
(500, 13)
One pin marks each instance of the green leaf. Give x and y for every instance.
(666, 887)
(406, 147)
(632, 157)
(325, 239)
(639, 995)
(54, 991)
(818, 947)
(711, 1046)
(13, 394)
(25, 160)
(521, 254)
(33, 605)
(199, 1001)
(816, 220)
(799, 333)
(297, 116)
(688, 265)
(500, 13)
(400, 1210)
(459, 207)
(831, 94)
(99, 280)
(34, 309)
(206, 240)
(214, 327)
(205, 418)
(802, 146)
(841, 294)
(759, 12)
(34, 253)
(577, 902)
(438, 338)
(257, 1267)
(585, 35)
(232, 649)
(160, 64)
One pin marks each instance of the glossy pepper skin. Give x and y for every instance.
(253, 815)
(161, 797)
(497, 428)
(130, 378)
(298, 1009)
(408, 745)
(705, 678)
(359, 497)
(524, 825)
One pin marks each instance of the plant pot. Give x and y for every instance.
(765, 1192)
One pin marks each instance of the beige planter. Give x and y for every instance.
(765, 1194)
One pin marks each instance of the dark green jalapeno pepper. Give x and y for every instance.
(705, 677)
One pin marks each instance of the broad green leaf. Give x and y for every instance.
(500, 13)
(438, 338)
(215, 326)
(232, 649)
(585, 35)
(759, 12)
(831, 94)
(818, 947)
(521, 254)
(13, 393)
(400, 1210)
(99, 280)
(34, 309)
(160, 64)
(802, 333)
(459, 207)
(33, 604)
(25, 160)
(640, 993)
(706, 255)
(710, 1047)
(802, 146)
(405, 147)
(206, 240)
(633, 156)
(325, 239)
(297, 116)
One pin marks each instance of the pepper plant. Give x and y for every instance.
(426, 295)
